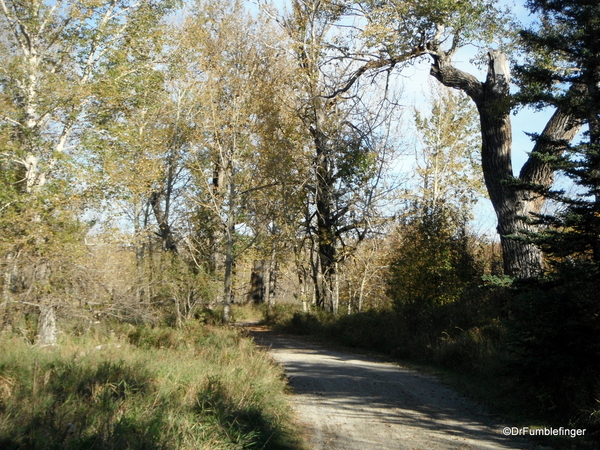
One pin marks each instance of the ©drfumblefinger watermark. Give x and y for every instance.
(527, 431)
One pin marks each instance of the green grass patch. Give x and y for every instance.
(143, 388)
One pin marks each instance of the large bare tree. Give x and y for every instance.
(401, 31)
(516, 199)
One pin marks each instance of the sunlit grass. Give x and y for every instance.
(143, 388)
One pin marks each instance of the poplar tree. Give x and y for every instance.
(348, 152)
(432, 262)
(448, 165)
(55, 57)
(243, 154)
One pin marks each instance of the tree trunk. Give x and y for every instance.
(257, 284)
(515, 200)
(512, 206)
(326, 226)
(218, 235)
(361, 292)
(303, 277)
(228, 282)
(11, 271)
(47, 329)
(593, 92)
(335, 301)
(270, 280)
(162, 218)
(229, 256)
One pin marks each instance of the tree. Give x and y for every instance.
(563, 71)
(348, 151)
(556, 320)
(433, 261)
(402, 31)
(55, 56)
(139, 146)
(365, 274)
(448, 165)
(243, 153)
(55, 53)
(516, 199)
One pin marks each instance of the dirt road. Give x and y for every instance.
(355, 402)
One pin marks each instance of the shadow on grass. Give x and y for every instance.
(68, 405)
(60, 405)
(241, 422)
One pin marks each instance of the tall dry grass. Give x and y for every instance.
(143, 388)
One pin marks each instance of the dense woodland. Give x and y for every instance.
(162, 160)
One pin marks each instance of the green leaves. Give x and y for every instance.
(563, 71)
(448, 162)
(406, 28)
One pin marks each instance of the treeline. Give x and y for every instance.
(149, 147)
(154, 151)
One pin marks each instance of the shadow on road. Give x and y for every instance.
(355, 401)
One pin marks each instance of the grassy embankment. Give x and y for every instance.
(133, 388)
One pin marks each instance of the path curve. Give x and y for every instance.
(355, 402)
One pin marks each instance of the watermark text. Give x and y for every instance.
(528, 431)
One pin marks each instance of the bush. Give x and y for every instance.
(303, 324)
(278, 314)
(474, 349)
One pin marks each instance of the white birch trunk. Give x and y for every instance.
(47, 330)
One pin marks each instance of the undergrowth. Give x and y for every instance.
(143, 388)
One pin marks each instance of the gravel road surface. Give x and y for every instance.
(355, 402)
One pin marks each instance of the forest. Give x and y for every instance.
(162, 162)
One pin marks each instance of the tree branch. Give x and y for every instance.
(376, 64)
(537, 171)
(443, 71)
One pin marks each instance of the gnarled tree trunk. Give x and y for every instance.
(515, 199)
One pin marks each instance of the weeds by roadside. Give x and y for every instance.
(143, 388)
